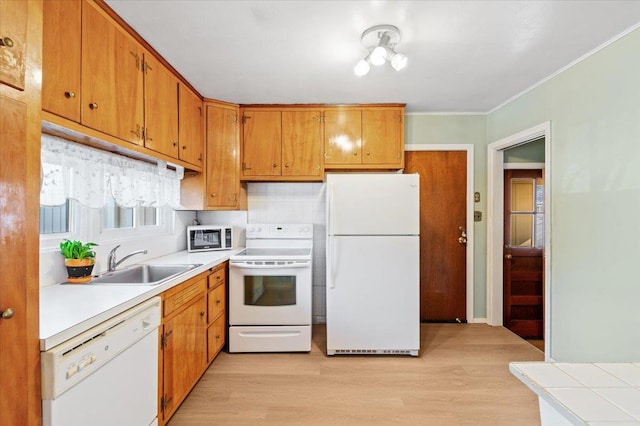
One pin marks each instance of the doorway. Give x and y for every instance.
(446, 230)
(495, 226)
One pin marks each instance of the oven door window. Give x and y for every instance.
(271, 290)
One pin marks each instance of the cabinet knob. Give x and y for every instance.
(275, 164)
(200, 157)
(184, 147)
(355, 153)
(93, 105)
(175, 144)
(217, 302)
(202, 314)
(286, 165)
(7, 313)
(6, 42)
(213, 194)
(368, 153)
(69, 95)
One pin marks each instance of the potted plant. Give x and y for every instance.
(79, 259)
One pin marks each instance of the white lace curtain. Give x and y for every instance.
(91, 176)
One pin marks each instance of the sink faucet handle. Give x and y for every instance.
(111, 260)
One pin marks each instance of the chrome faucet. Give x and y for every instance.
(112, 264)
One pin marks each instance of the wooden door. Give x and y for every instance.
(383, 137)
(190, 130)
(61, 49)
(222, 157)
(302, 143)
(261, 143)
(443, 274)
(112, 80)
(342, 137)
(160, 108)
(185, 354)
(20, 111)
(523, 253)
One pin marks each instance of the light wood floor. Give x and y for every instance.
(460, 378)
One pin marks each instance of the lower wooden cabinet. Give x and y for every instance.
(191, 335)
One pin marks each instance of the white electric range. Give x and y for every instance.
(270, 290)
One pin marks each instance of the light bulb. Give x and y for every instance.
(361, 68)
(398, 61)
(378, 55)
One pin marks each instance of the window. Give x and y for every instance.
(54, 220)
(116, 217)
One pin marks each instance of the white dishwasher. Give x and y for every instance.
(106, 376)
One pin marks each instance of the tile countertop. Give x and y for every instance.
(586, 393)
(67, 310)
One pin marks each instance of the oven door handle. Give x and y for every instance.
(246, 265)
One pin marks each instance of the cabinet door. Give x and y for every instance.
(342, 137)
(190, 130)
(302, 143)
(13, 51)
(216, 337)
(61, 45)
(184, 356)
(261, 140)
(112, 82)
(382, 137)
(222, 156)
(160, 108)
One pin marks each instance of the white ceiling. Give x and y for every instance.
(464, 56)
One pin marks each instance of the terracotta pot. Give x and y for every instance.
(79, 270)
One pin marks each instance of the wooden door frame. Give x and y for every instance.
(468, 148)
(495, 220)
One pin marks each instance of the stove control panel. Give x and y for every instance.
(279, 230)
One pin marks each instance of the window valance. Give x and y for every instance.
(91, 176)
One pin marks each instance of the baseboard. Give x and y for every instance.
(479, 321)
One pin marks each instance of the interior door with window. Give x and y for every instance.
(523, 262)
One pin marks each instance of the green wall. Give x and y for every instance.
(461, 129)
(594, 110)
(531, 152)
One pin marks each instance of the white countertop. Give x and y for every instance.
(67, 310)
(586, 393)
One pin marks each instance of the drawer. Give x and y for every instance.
(182, 294)
(216, 302)
(218, 276)
(216, 337)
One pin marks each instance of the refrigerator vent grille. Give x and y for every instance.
(374, 351)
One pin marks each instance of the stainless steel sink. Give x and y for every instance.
(143, 274)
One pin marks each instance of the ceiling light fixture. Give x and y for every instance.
(380, 41)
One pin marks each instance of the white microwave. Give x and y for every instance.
(209, 237)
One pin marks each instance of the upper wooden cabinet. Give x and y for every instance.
(302, 144)
(61, 53)
(190, 139)
(364, 138)
(160, 107)
(282, 144)
(13, 43)
(223, 177)
(112, 79)
(101, 80)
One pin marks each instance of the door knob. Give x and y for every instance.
(507, 256)
(462, 240)
(7, 313)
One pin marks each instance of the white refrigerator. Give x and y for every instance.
(373, 264)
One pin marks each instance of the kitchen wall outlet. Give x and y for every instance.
(476, 197)
(477, 216)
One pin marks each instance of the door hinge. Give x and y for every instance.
(245, 118)
(244, 166)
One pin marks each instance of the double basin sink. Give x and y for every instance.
(143, 274)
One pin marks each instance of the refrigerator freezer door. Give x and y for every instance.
(373, 204)
(373, 294)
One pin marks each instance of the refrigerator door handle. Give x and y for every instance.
(332, 266)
